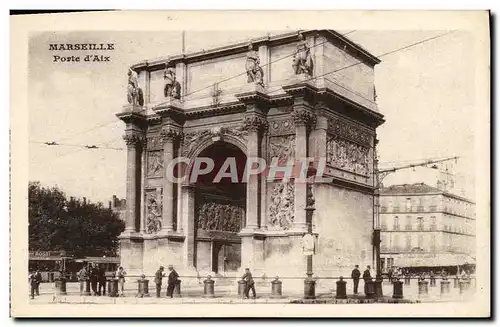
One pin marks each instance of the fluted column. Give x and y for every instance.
(134, 142)
(303, 119)
(169, 136)
(255, 124)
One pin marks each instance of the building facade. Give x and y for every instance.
(423, 226)
(282, 98)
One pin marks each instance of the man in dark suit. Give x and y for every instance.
(38, 277)
(172, 281)
(367, 277)
(249, 283)
(101, 279)
(94, 276)
(355, 274)
(158, 279)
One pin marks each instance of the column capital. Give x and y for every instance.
(255, 123)
(170, 134)
(134, 139)
(303, 117)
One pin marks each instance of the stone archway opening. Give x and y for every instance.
(220, 206)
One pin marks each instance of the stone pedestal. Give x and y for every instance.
(309, 288)
(423, 288)
(241, 288)
(341, 289)
(397, 289)
(113, 287)
(142, 288)
(208, 287)
(276, 288)
(445, 287)
(60, 286)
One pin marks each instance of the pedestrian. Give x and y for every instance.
(355, 274)
(94, 277)
(172, 281)
(367, 277)
(158, 278)
(83, 276)
(389, 275)
(38, 278)
(101, 279)
(249, 283)
(33, 282)
(120, 275)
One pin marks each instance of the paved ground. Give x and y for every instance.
(228, 294)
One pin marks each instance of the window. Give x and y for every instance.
(408, 242)
(433, 242)
(420, 221)
(408, 223)
(420, 241)
(396, 223)
(395, 243)
(383, 223)
(433, 223)
(408, 204)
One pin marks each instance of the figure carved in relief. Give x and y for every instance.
(134, 92)
(255, 73)
(153, 224)
(172, 86)
(220, 217)
(155, 163)
(282, 206)
(302, 60)
(282, 148)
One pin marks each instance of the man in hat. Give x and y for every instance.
(33, 283)
(172, 281)
(158, 278)
(367, 277)
(355, 274)
(249, 283)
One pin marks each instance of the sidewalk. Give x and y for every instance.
(228, 294)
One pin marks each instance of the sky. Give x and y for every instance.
(426, 94)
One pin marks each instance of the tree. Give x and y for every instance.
(73, 225)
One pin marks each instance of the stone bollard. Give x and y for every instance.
(433, 281)
(341, 289)
(241, 288)
(369, 289)
(83, 288)
(397, 292)
(423, 287)
(143, 287)
(87, 287)
(60, 286)
(113, 287)
(455, 282)
(177, 289)
(208, 288)
(276, 288)
(445, 286)
(309, 288)
(379, 292)
(407, 280)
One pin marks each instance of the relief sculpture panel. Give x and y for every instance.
(348, 130)
(281, 209)
(153, 210)
(347, 155)
(220, 217)
(155, 164)
(282, 148)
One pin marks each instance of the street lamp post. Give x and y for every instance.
(309, 282)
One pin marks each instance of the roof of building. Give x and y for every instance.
(417, 188)
(240, 47)
(410, 189)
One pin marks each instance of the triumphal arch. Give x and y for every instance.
(283, 98)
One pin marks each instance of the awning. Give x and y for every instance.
(433, 260)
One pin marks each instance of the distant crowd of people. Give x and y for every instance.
(97, 276)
